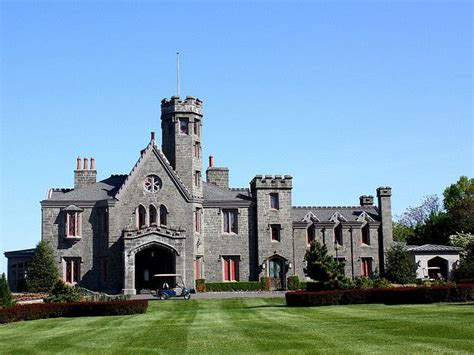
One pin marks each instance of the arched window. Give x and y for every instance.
(153, 215)
(141, 221)
(310, 235)
(163, 215)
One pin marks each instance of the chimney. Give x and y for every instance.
(152, 136)
(384, 195)
(366, 201)
(217, 176)
(85, 176)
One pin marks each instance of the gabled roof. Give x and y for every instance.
(433, 248)
(151, 148)
(323, 213)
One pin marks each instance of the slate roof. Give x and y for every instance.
(212, 192)
(19, 253)
(433, 247)
(323, 213)
(102, 190)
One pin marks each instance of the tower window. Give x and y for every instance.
(275, 228)
(274, 201)
(197, 128)
(197, 149)
(198, 220)
(197, 178)
(230, 221)
(184, 126)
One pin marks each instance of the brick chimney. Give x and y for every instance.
(217, 176)
(83, 175)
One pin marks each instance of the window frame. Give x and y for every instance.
(365, 234)
(338, 235)
(313, 232)
(230, 268)
(72, 270)
(274, 201)
(227, 226)
(275, 228)
(198, 220)
(366, 266)
(185, 121)
(76, 219)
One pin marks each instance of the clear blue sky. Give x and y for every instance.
(344, 96)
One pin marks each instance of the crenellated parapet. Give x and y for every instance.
(175, 104)
(272, 182)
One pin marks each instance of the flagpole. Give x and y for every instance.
(177, 73)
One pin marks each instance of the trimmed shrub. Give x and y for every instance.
(233, 286)
(63, 293)
(6, 298)
(200, 285)
(293, 282)
(402, 295)
(77, 309)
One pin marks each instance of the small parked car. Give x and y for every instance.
(175, 290)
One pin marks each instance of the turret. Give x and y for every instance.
(181, 126)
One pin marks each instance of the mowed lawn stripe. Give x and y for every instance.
(251, 326)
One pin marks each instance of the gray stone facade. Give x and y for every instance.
(114, 235)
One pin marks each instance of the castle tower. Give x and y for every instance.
(181, 127)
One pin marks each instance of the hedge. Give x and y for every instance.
(76, 309)
(402, 295)
(233, 286)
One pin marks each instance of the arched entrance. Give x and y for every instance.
(154, 259)
(276, 273)
(438, 268)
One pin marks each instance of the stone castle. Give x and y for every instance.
(115, 235)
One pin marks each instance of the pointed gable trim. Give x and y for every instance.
(337, 217)
(310, 217)
(151, 147)
(364, 217)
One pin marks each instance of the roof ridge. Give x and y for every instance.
(328, 207)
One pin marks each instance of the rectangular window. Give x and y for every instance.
(366, 235)
(103, 221)
(275, 228)
(197, 150)
(197, 220)
(310, 235)
(274, 201)
(197, 178)
(338, 235)
(231, 268)
(72, 270)
(366, 267)
(184, 125)
(230, 221)
(197, 126)
(73, 224)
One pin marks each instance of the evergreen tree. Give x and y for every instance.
(42, 272)
(400, 266)
(323, 267)
(6, 298)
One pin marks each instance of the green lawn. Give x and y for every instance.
(251, 326)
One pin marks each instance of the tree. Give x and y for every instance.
(322, 267)
(42, 272)
(415, 216)
(6, 298)
(400, 265)
(454, 194)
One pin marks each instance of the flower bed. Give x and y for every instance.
(76, 309)
(402, 295)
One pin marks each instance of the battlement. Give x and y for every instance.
(272, 182)
(175, 104)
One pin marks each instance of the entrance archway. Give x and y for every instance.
(276, 273)
(152, 260)
(438, 268)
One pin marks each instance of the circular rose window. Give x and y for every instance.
(152, 183)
